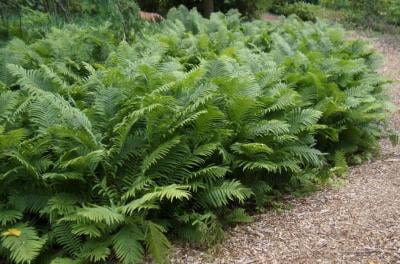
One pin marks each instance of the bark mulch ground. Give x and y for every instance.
(356, 223)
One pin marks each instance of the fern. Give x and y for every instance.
(100, 214)
(156, 242)
(112, 142)
(24, 243)
(9, 216)
(228, 191)
(170, 193)
(127, 246)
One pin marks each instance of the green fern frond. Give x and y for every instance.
(101, 214)
(156, 242)
(251, 148)
(64, 236)
(23, 243)
(147, 201)
(259, 165)
(238, 215)
(8, 103)
(301, 119)
(218, 196)
(126, 245)
(306, 154)
(210, 173)
(9, 216)
(159, 153)
(95, 251)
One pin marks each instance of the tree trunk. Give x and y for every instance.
(208, 7)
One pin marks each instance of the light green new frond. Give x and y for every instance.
(259, 165)
(170, 193)
(23, 243)
(251, 148)
(127, 246)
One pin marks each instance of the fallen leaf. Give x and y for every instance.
(12, 232)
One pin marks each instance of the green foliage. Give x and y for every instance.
(248, 8)
(110, 146)
(305, 11)
(366, 12)
(31, 20)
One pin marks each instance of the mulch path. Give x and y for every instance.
(355, 223)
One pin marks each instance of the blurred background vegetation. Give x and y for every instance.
(377, 15)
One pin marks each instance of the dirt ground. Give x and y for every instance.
(358, 222)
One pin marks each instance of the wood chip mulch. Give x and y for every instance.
(355, 223)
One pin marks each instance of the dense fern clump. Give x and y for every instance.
(108, 147)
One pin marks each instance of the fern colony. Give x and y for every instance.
(108, 147)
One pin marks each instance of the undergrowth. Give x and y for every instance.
(109, 148)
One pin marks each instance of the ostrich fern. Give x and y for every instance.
(108, 147)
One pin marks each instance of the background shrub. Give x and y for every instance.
(304, 11)
(367, 13)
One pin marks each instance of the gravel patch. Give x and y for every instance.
(356, 223)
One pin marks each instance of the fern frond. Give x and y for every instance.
(95, 251)
(65, 237)
(25, 246)
(127, 246)
(9, 216)
(238, 215)
(228, 191)
(170, 192)
(156, 242)
(159, 153)
(101, 214)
